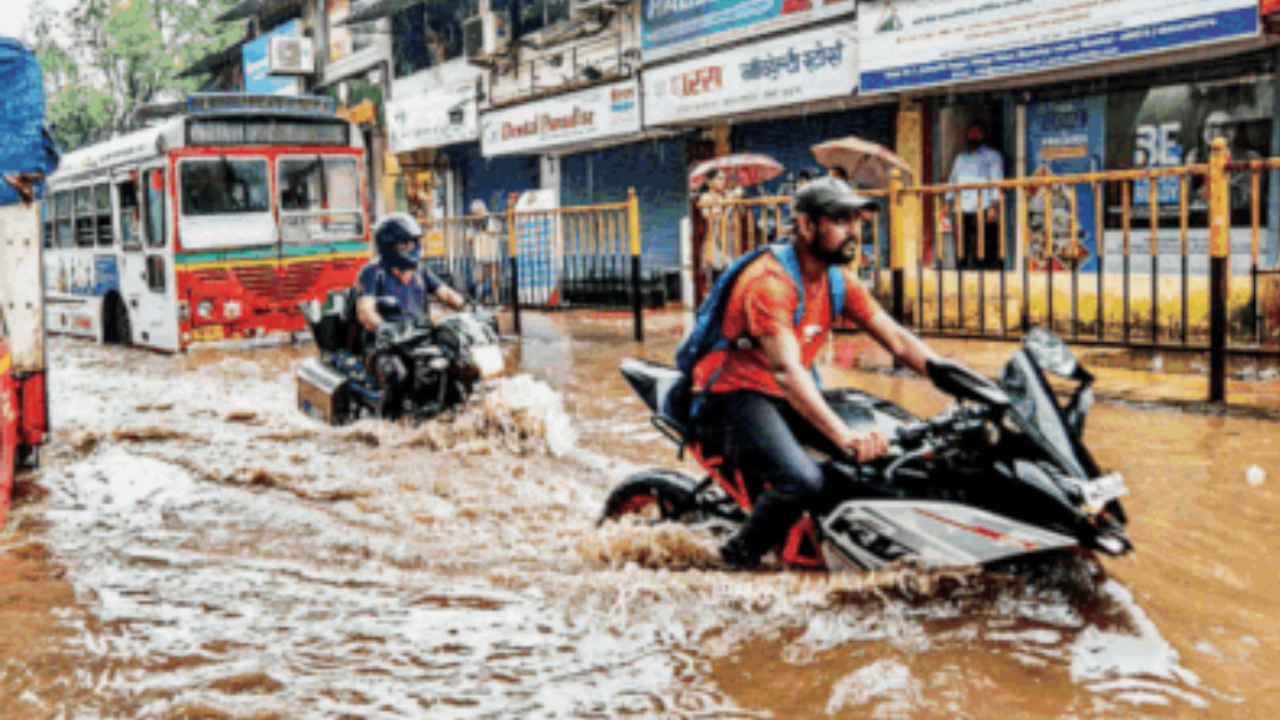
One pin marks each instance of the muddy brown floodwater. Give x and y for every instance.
(194, 547)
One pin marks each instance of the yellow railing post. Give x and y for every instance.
(633, 229)
(513, 253)
(1219, 268)
(897, 239)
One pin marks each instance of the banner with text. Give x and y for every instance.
(802, 67)
(581, 117)
(444, 115)
(919, 44)
(676, 27)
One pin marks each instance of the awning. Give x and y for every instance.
(216, 61)
(250, 8)
(376, 10)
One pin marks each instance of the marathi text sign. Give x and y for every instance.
(676, 27)
(918, 44)
(585, 116)
(803, 67)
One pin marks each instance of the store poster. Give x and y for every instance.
(679, 27)
(1064, 137)
(913, 44)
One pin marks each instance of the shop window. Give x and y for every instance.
(426, 36)
(534, 15)
(1175, 125)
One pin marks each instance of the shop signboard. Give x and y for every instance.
(445, 115)
(678, 27)
(908, 44)
(798, 68)
(257, 80)
(585, 116)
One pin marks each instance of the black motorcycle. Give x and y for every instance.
(443, 361)
(1001, 475)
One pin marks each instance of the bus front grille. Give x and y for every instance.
(289, 285)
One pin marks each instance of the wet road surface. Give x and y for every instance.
(194, 547)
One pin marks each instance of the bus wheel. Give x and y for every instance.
(116, 328)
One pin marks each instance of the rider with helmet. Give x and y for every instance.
(393, 288)
(762, 393)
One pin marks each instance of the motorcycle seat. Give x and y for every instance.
(654, 383)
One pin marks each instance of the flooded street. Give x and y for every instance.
(195, 547)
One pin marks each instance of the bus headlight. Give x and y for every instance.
(231, 310)
(205, 309)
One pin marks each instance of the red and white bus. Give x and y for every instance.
(209, 226)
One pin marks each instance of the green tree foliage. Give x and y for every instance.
(104, 58)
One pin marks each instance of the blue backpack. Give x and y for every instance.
(708, 336)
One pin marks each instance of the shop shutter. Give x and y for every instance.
(655, 168)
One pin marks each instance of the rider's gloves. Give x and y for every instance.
(385, 333)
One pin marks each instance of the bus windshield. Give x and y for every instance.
(224, 186)
(319, 198)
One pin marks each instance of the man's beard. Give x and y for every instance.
(842, 255)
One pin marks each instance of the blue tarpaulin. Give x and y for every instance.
(25, 146)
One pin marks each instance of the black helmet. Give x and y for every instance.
(391, 231)
(830, 197)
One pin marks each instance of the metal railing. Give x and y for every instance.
(1132, 258)
(577, 257)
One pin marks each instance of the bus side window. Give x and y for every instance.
(130, 216)
(155, 273)
(102, 201)
(85, 220)
(65, 235)
(154, 183)
(46, 217)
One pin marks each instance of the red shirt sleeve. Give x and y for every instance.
(860, 305)
(769, 305)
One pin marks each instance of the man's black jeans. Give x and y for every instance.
(765, 438)
(978, 231)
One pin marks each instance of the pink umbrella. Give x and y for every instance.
(867, 163)
(748, 168)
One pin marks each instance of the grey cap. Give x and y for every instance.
(830, 197)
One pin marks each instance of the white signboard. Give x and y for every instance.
(595, 114)
(444, 115)
(918, 43)
(798, 68)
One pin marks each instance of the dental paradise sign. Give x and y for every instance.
(918, 43)
(598, 113)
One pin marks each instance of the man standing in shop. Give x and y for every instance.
(979, 208)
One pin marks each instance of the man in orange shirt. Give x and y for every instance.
(766, 393)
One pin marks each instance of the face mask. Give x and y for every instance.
(974, 145)
(397, 260)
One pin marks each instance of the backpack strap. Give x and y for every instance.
(786, 255)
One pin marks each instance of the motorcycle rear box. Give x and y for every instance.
(322, 393)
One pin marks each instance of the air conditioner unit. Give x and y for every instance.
(485, 36)
(290, 56)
